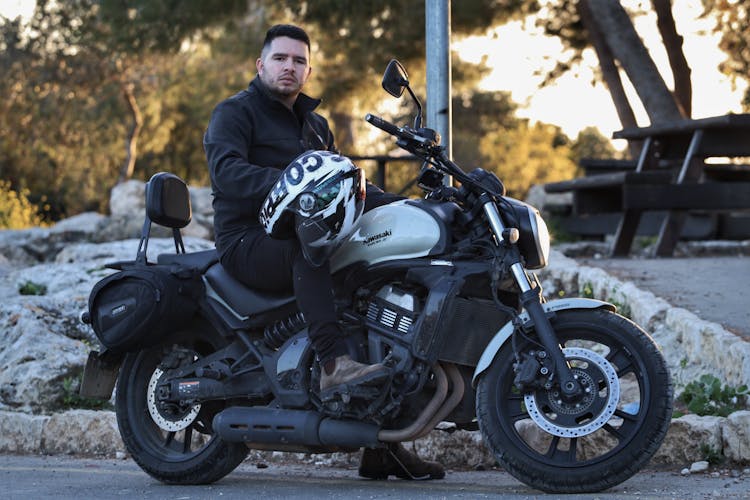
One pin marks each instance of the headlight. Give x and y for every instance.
(541, 237)
(534, 241)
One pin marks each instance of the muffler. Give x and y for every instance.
(292, 427)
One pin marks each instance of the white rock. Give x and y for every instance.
(128, 199)
(736, 436)
(685, 437)
(697, 467)
(21, 432)
(85, 432)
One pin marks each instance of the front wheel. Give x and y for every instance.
(173, 443)
(599, 439)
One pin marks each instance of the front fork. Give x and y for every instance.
(531, 300)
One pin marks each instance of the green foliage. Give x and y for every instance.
(707, 396)
(16, 212)
(711, 454)
(31, 288)
(591, 143)
(141, 26)
(733, 22)
(528, 155)
(71, 399)
(64, 120)
(588, 290)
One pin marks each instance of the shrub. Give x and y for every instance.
(72, 400)
(706, 396)
(16, 212)
(31, 288)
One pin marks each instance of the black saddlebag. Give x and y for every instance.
(140, 305)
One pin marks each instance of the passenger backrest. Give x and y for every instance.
(167, 204)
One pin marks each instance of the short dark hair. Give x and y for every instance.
(288, 30)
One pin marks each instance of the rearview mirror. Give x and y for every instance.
(395, 79)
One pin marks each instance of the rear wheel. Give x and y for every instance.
(596, 441)
(174, 443)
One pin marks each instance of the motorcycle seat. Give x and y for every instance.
(199, 261)
(244, 301)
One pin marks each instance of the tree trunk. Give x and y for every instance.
(683, 89)
(610, 74)
(131, 143)
(627, 48)
(342, 125)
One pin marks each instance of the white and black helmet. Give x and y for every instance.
(319, 197)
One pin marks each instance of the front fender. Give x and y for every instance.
(507, 330)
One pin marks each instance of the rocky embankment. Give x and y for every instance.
(46, 275)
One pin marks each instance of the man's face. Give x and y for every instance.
(284, 67)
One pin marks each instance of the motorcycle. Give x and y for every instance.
(569, 396)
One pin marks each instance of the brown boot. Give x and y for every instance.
(379, 463)
(345, 371)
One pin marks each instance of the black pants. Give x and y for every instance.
(263, 263)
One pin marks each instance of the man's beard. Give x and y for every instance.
(283, 91)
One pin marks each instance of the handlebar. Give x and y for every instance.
(403, 133)
(383, 125)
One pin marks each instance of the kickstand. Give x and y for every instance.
(400, 464)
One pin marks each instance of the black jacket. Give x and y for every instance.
(250, 138)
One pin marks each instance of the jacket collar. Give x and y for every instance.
(302, 105)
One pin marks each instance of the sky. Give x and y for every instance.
(520, 54)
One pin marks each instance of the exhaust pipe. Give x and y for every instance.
(292, 427)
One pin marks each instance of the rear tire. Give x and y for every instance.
(174, 445)
(601, 440)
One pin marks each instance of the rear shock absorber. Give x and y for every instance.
(277, 333)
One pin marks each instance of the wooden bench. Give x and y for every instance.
(671, 177)
(695, 187)
(598, 166)
(605, 192)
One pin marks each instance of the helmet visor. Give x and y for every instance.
(328, 191)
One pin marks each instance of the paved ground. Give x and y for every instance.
(63, 477)
(713, 288)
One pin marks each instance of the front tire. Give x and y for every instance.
(175, 445)
(598, 441)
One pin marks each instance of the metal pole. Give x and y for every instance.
(438, 54)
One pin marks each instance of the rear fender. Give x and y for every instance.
(504, 334)
(100, 374)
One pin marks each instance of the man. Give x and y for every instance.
(250, 139)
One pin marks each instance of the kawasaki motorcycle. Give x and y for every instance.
(569, 396)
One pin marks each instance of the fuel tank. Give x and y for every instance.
(404, 229)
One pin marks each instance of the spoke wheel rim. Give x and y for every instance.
(557, 451)
(173, 440)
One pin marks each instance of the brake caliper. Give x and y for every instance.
(533, 371)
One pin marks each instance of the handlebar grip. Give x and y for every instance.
(382, 124)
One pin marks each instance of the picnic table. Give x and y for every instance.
(672, 174)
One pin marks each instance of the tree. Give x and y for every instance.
(355, 41)
(87, 76)
(528, 154)
(72, 95)
(590, 143)
(683, 88)
(733, 22)
(607, 28)
(625, 44)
